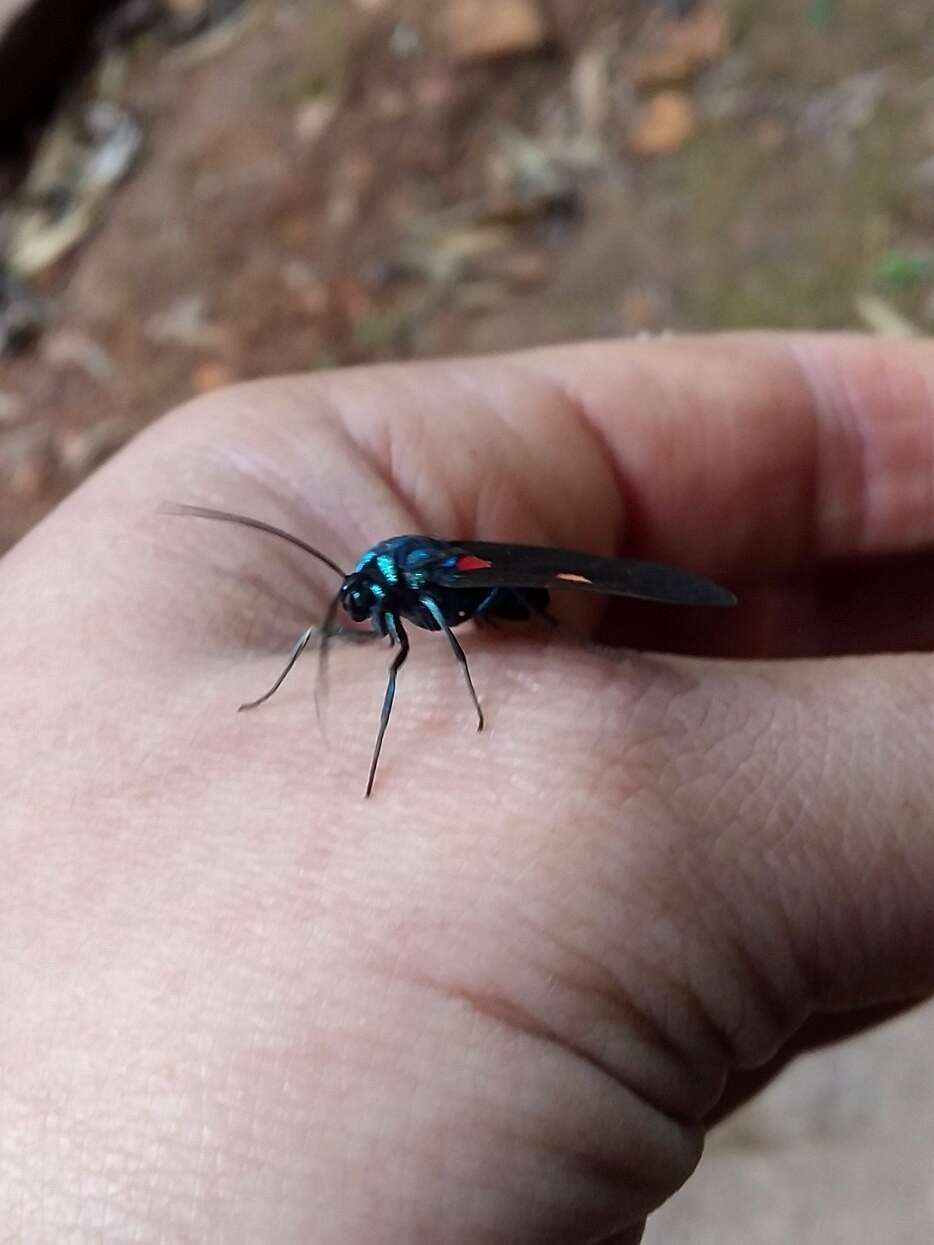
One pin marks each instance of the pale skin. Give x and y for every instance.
(502, 1000)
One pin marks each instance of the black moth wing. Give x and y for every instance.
(533, 566)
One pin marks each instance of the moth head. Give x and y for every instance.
(360, 597)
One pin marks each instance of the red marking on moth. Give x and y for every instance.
(573, 579)
(469, 563)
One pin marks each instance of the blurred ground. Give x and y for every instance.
(286, 185)
(320, 184)
(839, 1151)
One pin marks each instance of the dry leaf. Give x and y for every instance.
(666, 123)
(211, 376)
(485, 29)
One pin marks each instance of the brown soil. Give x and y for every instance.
(339, 182)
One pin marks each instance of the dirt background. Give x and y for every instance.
(232, 190)
(321, 184)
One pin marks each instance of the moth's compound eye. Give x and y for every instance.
(358, 600)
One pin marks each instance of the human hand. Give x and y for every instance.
(501, 1000)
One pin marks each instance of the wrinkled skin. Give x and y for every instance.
(502, 1000)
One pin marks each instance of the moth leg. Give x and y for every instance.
(487, 602)
(481, 615)
(540, 611)
(321, 683)
(435, 611)
(327, 633)
(296, 652)
(512, 605)
(396, 632)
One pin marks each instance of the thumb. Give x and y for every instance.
(799, 800)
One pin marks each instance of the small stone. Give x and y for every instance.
(666, 123)
(487, 29)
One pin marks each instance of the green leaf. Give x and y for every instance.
(904, 270)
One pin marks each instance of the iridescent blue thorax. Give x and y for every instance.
(397, 574)
(406, 560)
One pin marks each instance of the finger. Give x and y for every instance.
(748, 454)
(831, 609)
(743, 455)
(816, 1033)
(631, 1237)
(817, 850)
(747, 457)
(740, 456)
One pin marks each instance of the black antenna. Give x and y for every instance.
(204, 512)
